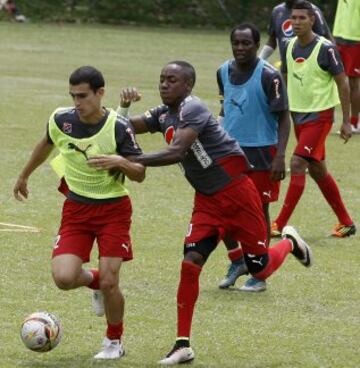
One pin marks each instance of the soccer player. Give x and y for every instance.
(97, 204)
(347, 35)
(254, 110)
(226, 200)
(13, 10)
(315, 80)
(281, 30)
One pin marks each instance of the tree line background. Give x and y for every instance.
(182, 13)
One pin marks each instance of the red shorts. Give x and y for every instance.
(350, 55)
(236, 211)
(311, 137)
(108, 223)
(268, 189)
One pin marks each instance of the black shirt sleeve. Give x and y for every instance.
(126, 144)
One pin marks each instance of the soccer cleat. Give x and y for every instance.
(254, 285)
(112, 349)
(235, 270)
(342, 231)
(355, 130)
(275, 232)
(178, 355)
(98, 303)
(301, 251)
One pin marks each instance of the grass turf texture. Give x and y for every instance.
(306, 318)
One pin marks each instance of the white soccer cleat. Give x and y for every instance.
(98, 303)
(112, 349)
(301, 251)
(178, 356)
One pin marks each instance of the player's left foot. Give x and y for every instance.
(342, 231)
(98, 303)
(301, 250)
(112, 349)
(254, 285)
(179, 354)
(235, 270)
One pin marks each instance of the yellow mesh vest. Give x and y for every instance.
(347, 20)
(82, 179)
(310, 88)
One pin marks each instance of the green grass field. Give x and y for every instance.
(308, 318)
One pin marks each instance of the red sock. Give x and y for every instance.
(187, 295)
(294, 192)
(114, 332)
(331, 193)
(235, 254)
(94, 284)
(277, 255)
(354, 121)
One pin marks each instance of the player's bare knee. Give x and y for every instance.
(298, 164)
(108, 285)
(63, 281)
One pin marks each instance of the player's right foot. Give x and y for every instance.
(342, 231)
(275, 231)
(301, 250)
(178, 355)
(235, 270)
(112, 349)
(98, 303)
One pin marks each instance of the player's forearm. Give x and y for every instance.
(283, 132)
(168, 156)
(39, 155)
(344, 95)
(133, 170)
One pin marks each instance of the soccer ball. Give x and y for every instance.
(41, 331)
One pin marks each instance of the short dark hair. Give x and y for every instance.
(87, 74)
(304, 5)
(247, 25)
(189, 70)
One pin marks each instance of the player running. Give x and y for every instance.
(226, 200)
(316, 81)
(254, 111)
(97, 204)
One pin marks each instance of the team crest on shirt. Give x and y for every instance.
(162, 118)
(287, 28)
(169, 134)
(67, 127)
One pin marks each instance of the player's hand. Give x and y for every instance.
(277, 171)
(20, 189)
(106, 162)
(129, 95)
(345, 132)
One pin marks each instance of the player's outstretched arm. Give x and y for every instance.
(175, 152)
(344, 94)
(127, 97)
(133, 170)
(38, 156)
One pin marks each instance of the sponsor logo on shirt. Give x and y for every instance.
(287, 28)
(169, 134)
(201, 155)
